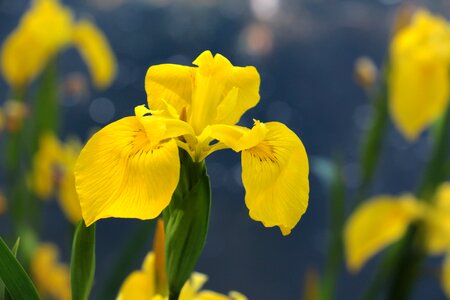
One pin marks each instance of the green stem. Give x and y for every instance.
(46, 107)
(402, 264)
(373, 142)
(411, 257)
(335, 250)
(186, 221)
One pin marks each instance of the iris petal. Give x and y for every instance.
(97, 53)
(222, 92)
(139, 285)
(169, 83)
(437, 222)
(418, 79)
(275, 177)
(215, 92)
(375, 225)
(121, 174)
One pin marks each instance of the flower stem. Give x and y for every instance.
(402, 264)
(186, 221)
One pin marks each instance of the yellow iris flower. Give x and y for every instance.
(150, 282)
(364, 237)
(53, 167)
(51, 277)
(130, 168)
(44, 30)
(139, 285)
(418, 79)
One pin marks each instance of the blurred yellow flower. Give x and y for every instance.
(418, 79)
(53, 167)
(364, 237)
(149, 283)
(44, 30)
(130, 168)
(51, 277)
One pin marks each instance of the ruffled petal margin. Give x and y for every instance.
(121, 174)
(275, 177)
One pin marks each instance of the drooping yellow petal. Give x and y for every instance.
(140, 285)
(97, 53)
(275, 177)
(437, 222)
(418, 79)
(121, 174)
(19, 65)
(376, 224)
(445, 276)
(43, 30)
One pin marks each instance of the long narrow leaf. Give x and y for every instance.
(16, 280)
(82, 265)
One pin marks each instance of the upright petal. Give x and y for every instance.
(169, 84)
(376, 224)
(97, 53)
(275, 177)
(222, 92)
(121, 174)
(50, 22)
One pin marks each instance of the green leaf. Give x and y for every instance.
(82, 265)
(186, 223)
(16, 280)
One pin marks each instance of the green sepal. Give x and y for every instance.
(17, 282)
(82, 264)
(186, 223)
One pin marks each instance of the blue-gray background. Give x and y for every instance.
(305, 52)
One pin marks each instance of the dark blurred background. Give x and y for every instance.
(305, 52)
